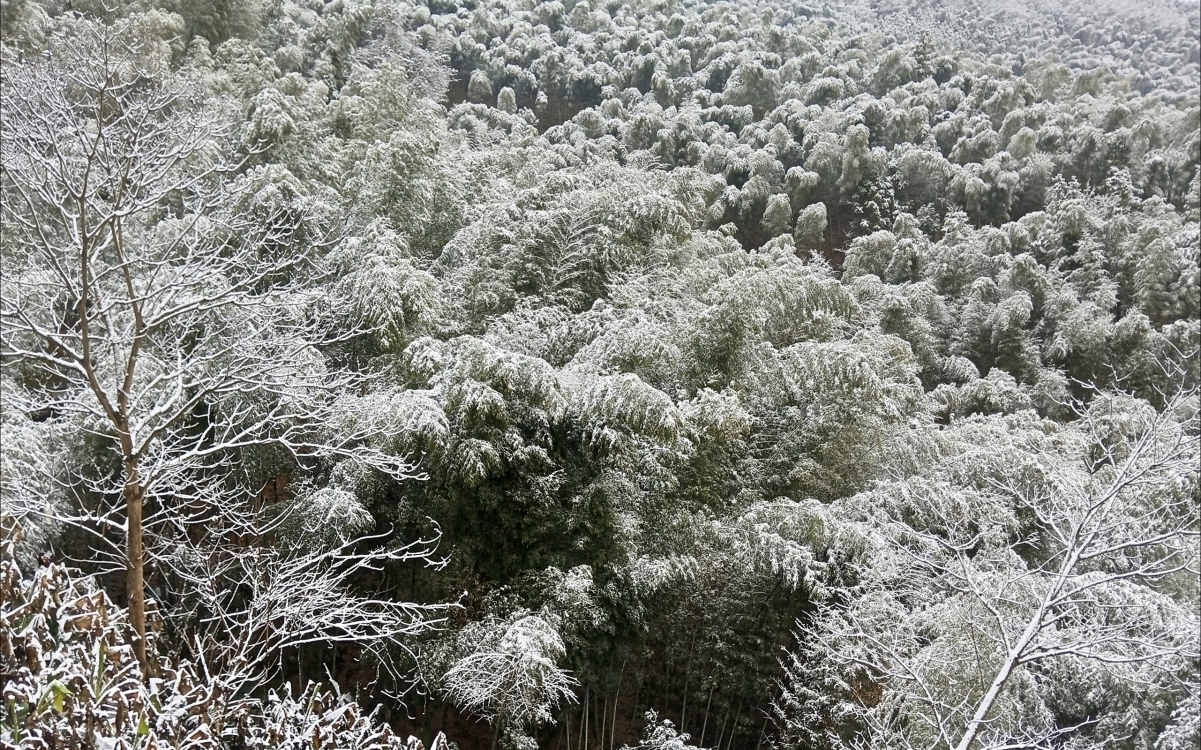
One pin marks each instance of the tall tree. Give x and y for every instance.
(149, 296)
(1068, 556)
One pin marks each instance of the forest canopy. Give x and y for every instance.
(671, 374)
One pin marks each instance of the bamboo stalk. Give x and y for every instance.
(604, 720)
(705, 725)
(721, 733)
(733, 729)
(616, 699)
(687, 674)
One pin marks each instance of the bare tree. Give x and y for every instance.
(150, 298)
(942, 647)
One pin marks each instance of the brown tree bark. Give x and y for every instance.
(134, 563)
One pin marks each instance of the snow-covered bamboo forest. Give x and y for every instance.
(600, 374)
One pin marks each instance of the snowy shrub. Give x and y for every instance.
(72, 680)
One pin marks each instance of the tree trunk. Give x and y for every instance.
(687, 673)
(617, 699)
(705, 724)
(733, 729)
(584, 724)
(604, 719)
(994, 690)
(1006, 671)
(134, 571)
(722, 732)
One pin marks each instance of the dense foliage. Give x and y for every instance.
(729, 375)
(72, 681)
